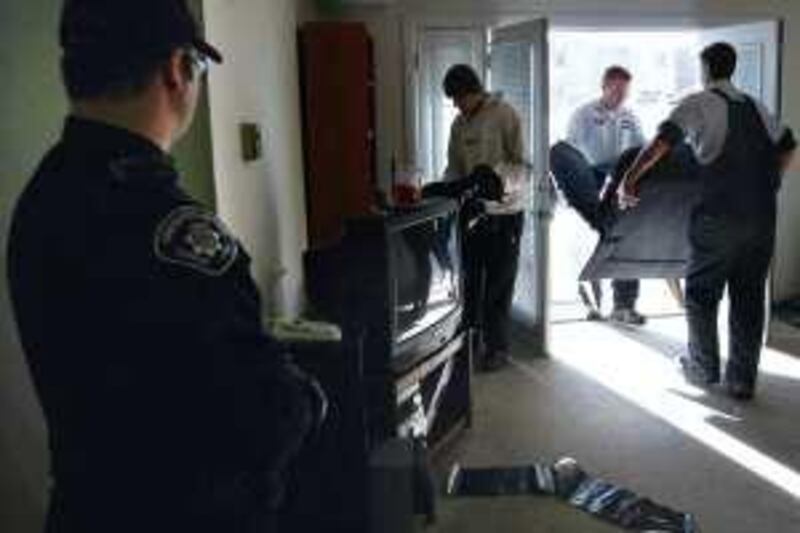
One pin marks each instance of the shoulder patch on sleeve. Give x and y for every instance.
(192, 237)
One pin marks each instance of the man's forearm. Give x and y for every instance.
(647, 159)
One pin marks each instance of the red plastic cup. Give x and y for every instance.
(405, 194)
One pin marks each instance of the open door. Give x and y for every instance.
(650, 241)
(518, 68)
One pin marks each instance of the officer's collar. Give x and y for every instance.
(107, 140)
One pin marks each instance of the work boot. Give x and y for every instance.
(741, 392)
(628, 317)
(695, 374)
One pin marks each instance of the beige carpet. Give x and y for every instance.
(611, 399)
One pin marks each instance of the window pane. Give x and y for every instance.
(664, 67)
(440, 50)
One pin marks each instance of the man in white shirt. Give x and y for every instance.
(488, 133)
(602, 130)
(743, 151)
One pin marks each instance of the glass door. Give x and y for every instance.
(518, 68)
(759, 49)
(439, 49)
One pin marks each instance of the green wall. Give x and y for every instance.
(32, 109)
(32, 104)
(193, 156)
(193, 152)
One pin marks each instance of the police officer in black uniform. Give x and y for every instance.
(743, 151)
(168, 407)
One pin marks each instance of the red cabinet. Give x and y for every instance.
(337, 83)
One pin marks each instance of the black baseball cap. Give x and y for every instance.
(121, 30)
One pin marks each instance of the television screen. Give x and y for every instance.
(427, 264)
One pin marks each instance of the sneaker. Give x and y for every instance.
(568, 476)
(740, 391)
(593, 315)
(628, 317)
(695, 374)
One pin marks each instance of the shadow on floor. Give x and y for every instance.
(667, 345)
(545, 409)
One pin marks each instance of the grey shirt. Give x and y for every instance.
(602, 134)
(703, 118)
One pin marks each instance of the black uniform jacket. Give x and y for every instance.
(141, 324)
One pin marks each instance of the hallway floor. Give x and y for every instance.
(611, 399)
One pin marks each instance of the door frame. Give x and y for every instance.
(414, 28)
(478, 36)
(534, 33)
(649, 23)
(412, 25)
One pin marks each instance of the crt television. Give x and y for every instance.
(404, 286)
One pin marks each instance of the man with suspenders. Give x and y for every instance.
(743, 151)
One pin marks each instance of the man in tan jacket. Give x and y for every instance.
(488, 132)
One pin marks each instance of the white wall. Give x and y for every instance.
(262, 201)
(393, 135)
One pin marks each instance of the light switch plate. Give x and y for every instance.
(251, 141)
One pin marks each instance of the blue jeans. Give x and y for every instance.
(582, 184)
